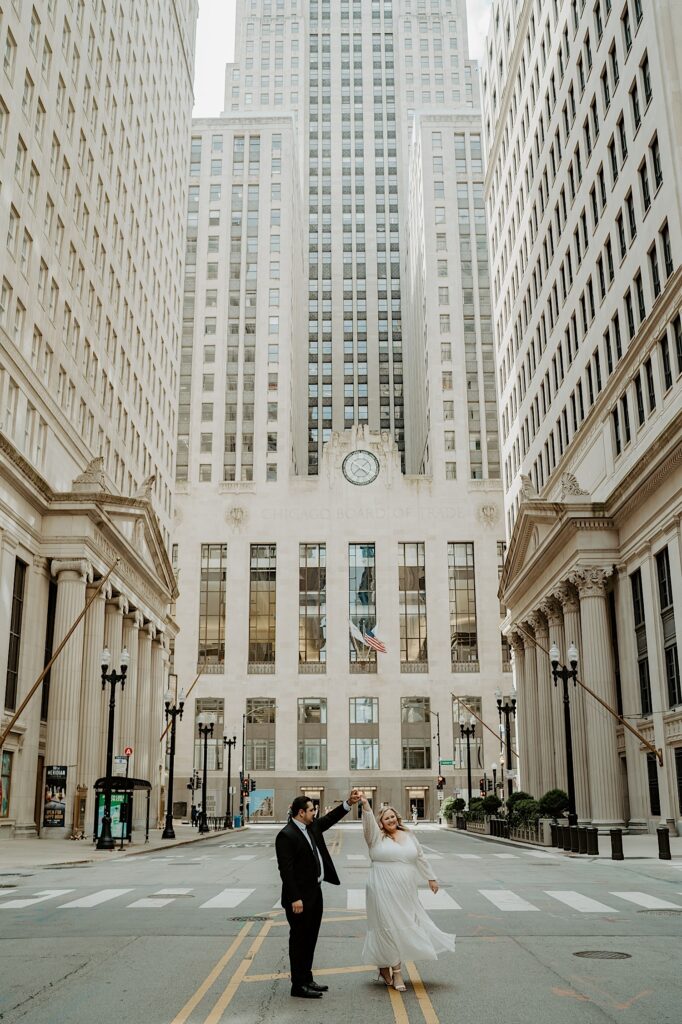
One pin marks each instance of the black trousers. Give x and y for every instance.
(303, 931)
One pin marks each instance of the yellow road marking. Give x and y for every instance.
(426, 1006)
(398, 1007)
(363, 968)
(325, 920)
(235, 981)
(215, 973)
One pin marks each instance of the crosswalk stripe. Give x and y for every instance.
(150, 903)
(576, 900)
(356, 856)
(38, 897)
(172, 892)
(505, 899)
(227, 899)
(468, 856)
(506, 856)
(642, 899)
(245, 856)
(95, 898)
(541, 853)
(355, 899)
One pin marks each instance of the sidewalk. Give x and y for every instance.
(635, 847)
(18, 855)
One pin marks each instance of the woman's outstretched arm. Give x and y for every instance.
(370, 829)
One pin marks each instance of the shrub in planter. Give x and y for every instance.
(553, 804)
(475, 812)
(459, 805)
(526, 812)
(515, 798)
(491, 804)
(447, 808)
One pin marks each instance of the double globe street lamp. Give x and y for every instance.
(206, 725)
(105, 840)
(565, 674)
(468, 732)
(173, 712)
(508, 711)
(230, 744)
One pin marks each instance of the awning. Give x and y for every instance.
(120, 785)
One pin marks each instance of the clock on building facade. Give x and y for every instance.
(360, 468)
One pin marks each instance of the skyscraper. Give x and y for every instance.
(95, 104)
(582, 112)
(338, 470)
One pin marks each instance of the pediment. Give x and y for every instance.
(138, 526)
(536, 520)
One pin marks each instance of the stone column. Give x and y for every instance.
(516, 641)
(598, 673)
(544, 676)
(532, 715)
(568, 599)
(551, 609)
(92, 701)
(65, 679)
(635, 757)
(32, 660)
(113, 640)
(156, 749)
(131, 631)
(142, 721)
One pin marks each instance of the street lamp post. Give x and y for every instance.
(173, 712)
(564, 674)
(229, 743)
(468, 731)
(509, 711)
(493, 769)
(193, 786)
(105, 840)
(205, 724)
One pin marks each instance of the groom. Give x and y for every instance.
(304, 862)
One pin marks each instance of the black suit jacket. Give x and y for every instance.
(298, 864)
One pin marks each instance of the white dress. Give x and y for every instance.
(398, 927)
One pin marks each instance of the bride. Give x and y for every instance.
(398, 927)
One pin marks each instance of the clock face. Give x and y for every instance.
(360, 468)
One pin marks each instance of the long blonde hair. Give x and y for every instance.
(385, 810)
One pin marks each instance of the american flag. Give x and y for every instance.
(373, 641)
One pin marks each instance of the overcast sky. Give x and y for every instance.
(215, 46)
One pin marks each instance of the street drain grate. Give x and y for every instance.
(670, 912)
(261, 919)
(602, 954)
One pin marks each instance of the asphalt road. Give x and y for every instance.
(197, 937)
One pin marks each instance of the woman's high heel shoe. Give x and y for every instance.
(382, 977)
(398, 983)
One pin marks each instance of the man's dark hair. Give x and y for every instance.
(299, 803)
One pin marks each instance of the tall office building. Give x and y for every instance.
(338, 466)
(95, 108)
(582, 112)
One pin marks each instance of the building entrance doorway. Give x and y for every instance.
(417, 799)
(316, 796)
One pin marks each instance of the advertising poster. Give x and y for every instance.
(262, 803)
(118, 823)
(54, 809)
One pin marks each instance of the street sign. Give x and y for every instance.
(119, 766)
(445, 762)
(128, 751)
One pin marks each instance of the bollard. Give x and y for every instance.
(554, 833)
(493, 827)
(663, 842)
(575, 846)
(582, 839)
(567, 838)
(616, 844)
(592, 842)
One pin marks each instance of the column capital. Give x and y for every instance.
(538, 624)
(551, 609)
(566, 596)
(516, 640)
(120, 603)
(150, 629)
(105, 591)
(590, 581)
(80, 566)
(136, 618)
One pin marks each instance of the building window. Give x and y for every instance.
(16, 620)
(49, 643)
(415, 717)
(6, 783)
(312, 734)
(641, 641)
(262, 604)
(361, 601)
(209, 706)
(259, 734)
(462, 588)
(212, 604)
(412, 604)
(312, 603)
(665, 594)
(654, 795)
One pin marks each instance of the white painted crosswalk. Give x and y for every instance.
(458, 898)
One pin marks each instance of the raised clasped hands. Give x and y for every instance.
(355, 797)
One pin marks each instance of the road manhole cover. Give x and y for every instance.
(602, 954)
(668, 912)
(261, 919)
(7, 885)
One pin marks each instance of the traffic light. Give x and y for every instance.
(481, 786)
(252, 784)
(490, 785)
(440, 782)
